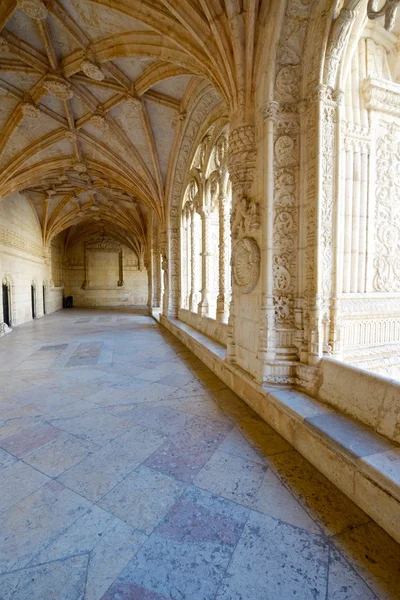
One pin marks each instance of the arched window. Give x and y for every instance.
(205, 231)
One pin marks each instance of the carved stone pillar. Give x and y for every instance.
(193, 299)
(164, 268)
(266, 349)
(241, 167)
(224, 234)
(206, 256)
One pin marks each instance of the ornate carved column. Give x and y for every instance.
(164, 267)
(266, 349)
(222, 300)
(206, 255)
(193, 300)
(244, 219)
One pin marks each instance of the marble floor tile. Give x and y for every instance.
(343, 581)
(327, 505)
(375, 556)
(291, 563)
(96, 475)
(29, 439)
(36, 521)
(18, 480)
(143, 498)
(60, 455)
(6, 459)
(231, 477)
(56, 580)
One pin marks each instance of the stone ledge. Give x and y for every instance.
(360, 462)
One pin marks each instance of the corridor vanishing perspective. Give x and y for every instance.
(200, 299)
(129, 471)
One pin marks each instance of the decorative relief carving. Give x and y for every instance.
(388, 11)
(134, 102)
(92, 70)
(246, 264)
(387, 212)
(100, 122)
(30, 110)
(382, 95)
(16, 240)
(58, 87)
(245, 218)
(242, 158)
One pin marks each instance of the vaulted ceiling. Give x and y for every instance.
(94, 95)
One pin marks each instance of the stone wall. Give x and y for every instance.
(102, 272)
(22, 261)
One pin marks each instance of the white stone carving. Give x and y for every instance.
(246, 264)
(30, 110)
(134, 103)
(387, 212)
(100, 122)
(92, 70)
(383, 96)
(58, 87)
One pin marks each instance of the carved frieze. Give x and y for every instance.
(387, 212)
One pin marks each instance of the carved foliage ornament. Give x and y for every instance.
(246, 264)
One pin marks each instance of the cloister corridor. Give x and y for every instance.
(129, 471)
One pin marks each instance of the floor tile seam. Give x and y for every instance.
(333, 546)
(43, 564)
(298, 499)
(132, 471)
(319, 533)
(3, 512)
(90, 452)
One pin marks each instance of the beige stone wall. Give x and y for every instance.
(22, 260)
(103, 270)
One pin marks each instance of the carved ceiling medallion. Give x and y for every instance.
(100, 122)
(92, 70)
(59, 87)
(134, 103)
(246, 264)
(30, 111)
(35, 9)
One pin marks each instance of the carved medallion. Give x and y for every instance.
(92, 70)
(246, 264)
(33, 8)
(59, 87)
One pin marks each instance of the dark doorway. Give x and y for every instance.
(6, 305)
(33, 300)
(44, 300)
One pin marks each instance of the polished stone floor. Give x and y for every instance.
(129, 471)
